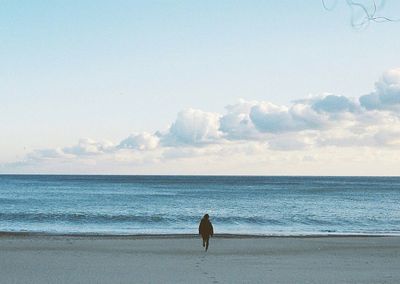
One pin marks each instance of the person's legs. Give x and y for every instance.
(207, 241)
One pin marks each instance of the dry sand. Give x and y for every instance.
(181, 259)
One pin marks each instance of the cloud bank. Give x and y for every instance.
(254, 132)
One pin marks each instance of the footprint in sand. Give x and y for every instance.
(199, 264)
(214, 280)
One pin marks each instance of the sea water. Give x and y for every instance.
(282, 205)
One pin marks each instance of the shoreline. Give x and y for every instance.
(5, 234)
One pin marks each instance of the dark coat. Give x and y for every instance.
(206, 228)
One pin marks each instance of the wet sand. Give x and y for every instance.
(26, 258)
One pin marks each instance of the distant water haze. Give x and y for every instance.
(175, 204)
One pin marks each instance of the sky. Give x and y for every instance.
(199, 87)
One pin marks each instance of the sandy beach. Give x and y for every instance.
(181, 259)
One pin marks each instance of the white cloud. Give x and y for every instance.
(291, 141)
(271, 118)
(88, 146)
(194, 126)
(47, 154)
(237, 124)
(140, 141)
(334, 104)
(386, 94)
(388, 138)
(252, 134)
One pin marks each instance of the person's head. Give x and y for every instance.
(206, 217)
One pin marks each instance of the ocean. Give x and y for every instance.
(272, 205)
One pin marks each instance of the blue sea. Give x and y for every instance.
(282, 205)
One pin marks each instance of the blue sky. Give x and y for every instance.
(103, 70)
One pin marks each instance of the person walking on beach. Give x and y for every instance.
(206, 230)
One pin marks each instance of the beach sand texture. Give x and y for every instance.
(180, 259)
